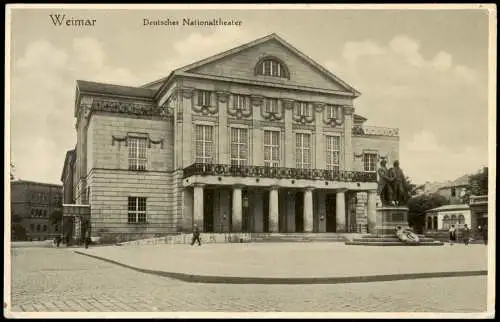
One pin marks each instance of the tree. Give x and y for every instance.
(418, 205)
(12, 167)
(479, 183)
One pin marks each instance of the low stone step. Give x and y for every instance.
(363, 243)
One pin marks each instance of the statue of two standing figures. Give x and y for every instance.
(392, 186)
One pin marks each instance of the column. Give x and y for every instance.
(290, 212)
(308, 210)
(348, 120)
(223, 138)
(340, 211)
(258, 214)
(288, 135)
(237, 210)
(198, 206)
(186, 97)
(372, 211)
(273, 210)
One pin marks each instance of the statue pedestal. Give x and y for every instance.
(388, 218)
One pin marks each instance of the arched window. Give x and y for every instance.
(446, 222)
(453, 219)
(461, 219)
(435, 221)
(272, 66)
(429, 223)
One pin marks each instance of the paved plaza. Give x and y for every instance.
(296, 260)
(59, 280)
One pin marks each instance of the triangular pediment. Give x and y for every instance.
(241, 62)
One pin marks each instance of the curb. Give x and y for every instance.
(191, 278)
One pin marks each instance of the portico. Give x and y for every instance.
(278, 205)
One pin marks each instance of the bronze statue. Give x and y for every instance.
(384, 188)
(398, 185)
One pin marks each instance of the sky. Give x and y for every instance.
(422, 71)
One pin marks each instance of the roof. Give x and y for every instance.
(450, 208)
(20, 181)
(119, 90)
(359, 119)
(240, 48)
(69, 154)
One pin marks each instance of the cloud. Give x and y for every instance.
(43, 92)
(423, 141)
(353, 50)
(427, 160)
(407, 48)
(440, 107)
(442, 61)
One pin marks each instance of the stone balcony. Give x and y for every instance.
(277, 173)
(375, 131)
(478, 200)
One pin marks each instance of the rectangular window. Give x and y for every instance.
(239, 146)
(240, 102)
(302, 109)
(136, 210)
(370, 162)
(271, 148)
(332, 152)
(137, 153)
(204, 98)
(266, 67)
(271, 105)
(331, 111)
(204, 143)
(303, 151)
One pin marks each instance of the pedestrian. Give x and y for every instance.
(86, 238)
(58, 240)
(485, 234)
(466, 235)
(68, 239)
(196, 236)
(453, 234)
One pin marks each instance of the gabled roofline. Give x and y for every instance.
(69, 155)
(242, 47)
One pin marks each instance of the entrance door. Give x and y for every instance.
(265, 212)
(208, 211)
(299, 212)
(331, 210)
(246, 224)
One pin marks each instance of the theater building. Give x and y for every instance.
(259, 138)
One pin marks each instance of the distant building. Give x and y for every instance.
(454, 193)
(32, 203)
(479, 210)
(441, 218)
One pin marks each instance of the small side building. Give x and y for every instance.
(441, 218)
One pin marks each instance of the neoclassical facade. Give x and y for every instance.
(259, 138)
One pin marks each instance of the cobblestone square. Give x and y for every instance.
(59, 280)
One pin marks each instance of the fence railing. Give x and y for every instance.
(277, 172)
(474, 200)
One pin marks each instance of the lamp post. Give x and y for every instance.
(245, 214)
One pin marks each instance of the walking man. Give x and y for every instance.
(86, 238)
(466, 235)
(196, 235)
(453, 234)
(485, 234)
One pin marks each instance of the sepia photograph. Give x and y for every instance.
(258, 161)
